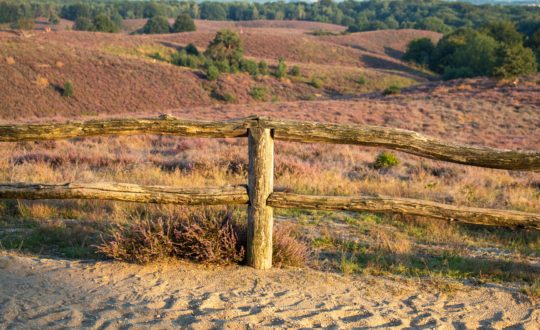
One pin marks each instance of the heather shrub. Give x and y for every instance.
(385, 160)
(23, 24)
(288, 250)
(207, 235)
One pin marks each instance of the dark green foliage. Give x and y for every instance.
(23, 24)
(362, 80)
(281, 69)
(183, 23)
(213, 11)
(295, 71)
(156, 25)
(392, 90)
(420, 51)
(250, 67)
(54, 19)
(223, 96)
(212, 73)
(513, 61)
(316, 82)
(226, 46)
(385, 160)
(182, 58)
(495, 50)
(102, 23)
(263, 68)
(84, 24)
(258, 93)
(191, 49)
(69, 89)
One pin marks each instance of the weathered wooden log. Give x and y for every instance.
(403, 140)
(408, 206)
(299, 131)
(164, 125)
(260, 186)
(127, 193)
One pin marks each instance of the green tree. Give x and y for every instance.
(281, 69)
(420, 51)
(69, 89)
(226, 46)
(157, 25)
(84, 24)
(513, 61)
(504, 32)
(183, 23)
(103, 23)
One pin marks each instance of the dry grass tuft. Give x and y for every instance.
(42, 82)
(10, 60)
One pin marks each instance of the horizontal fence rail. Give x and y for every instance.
(127, 193)
(258, 194)
(287, 130)
(407, 206)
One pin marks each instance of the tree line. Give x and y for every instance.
(435, 15)
(496, 49)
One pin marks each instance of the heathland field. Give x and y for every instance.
(338, 269)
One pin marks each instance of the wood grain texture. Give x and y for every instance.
(164, 125)
(406, 141)
(127, 193)
(260, 186)
(473, 215)
(287, 130)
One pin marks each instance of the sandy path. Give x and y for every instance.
(57, 294)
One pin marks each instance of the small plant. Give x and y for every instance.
(392, 90)
(258, 93)
(191, 49)
(250, 67)
(295, 71)
(69, 89)
(223, 96)
(263, 68)
(23, 24)
(385, 160)
(316, 82)
(212, 73)
(362, 80)
(281, 69)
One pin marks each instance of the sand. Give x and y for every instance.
(39, 293)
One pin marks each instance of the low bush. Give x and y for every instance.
(392, 90)
(385, 160)
(281, 69)
(362, 80)
(295, 71)
(212, 73)
(207, 235)
(263, 68)
(69, 89)
(258, 93)
(316, 82)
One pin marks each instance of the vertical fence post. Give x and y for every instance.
(260, 186)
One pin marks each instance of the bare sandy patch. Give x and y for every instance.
(42, 293)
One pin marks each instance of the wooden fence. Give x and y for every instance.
(258, 194)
